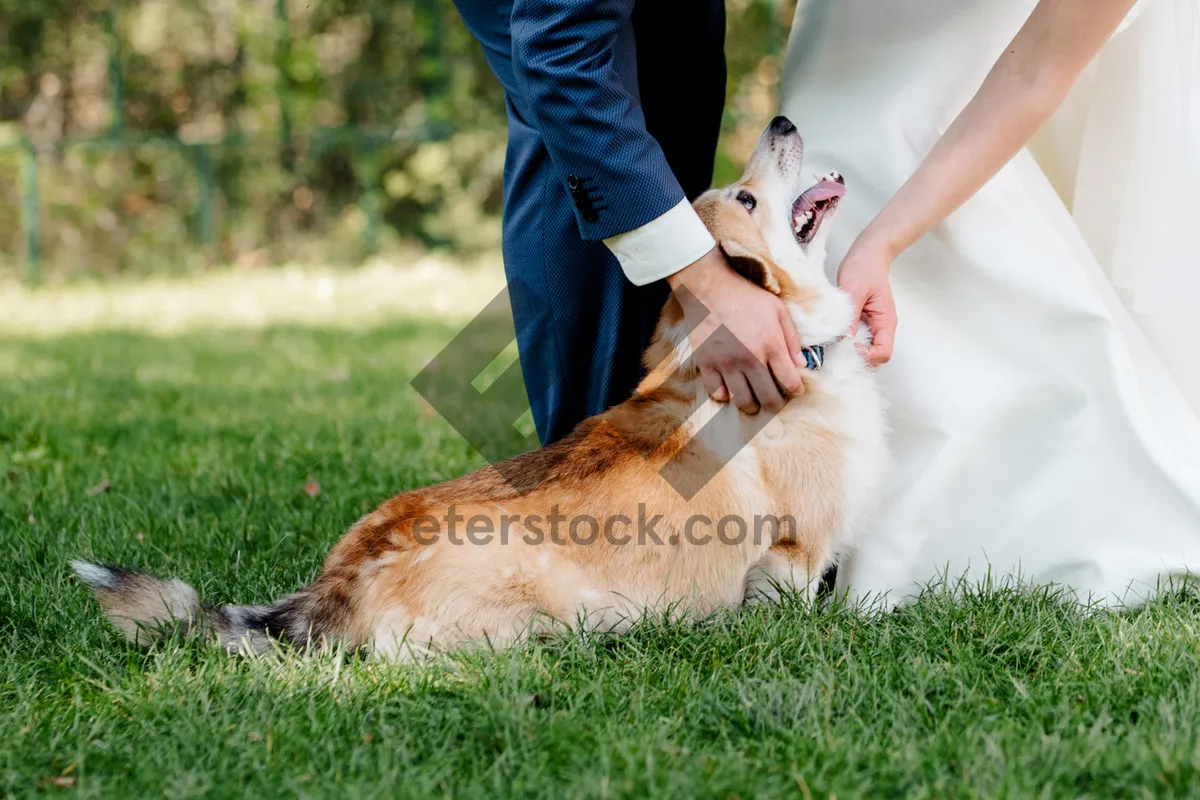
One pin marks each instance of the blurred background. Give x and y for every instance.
(172, 138)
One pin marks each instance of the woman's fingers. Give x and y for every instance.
(860, 300)
(880, 312)
(880, 351)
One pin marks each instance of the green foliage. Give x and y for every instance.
(174, 134)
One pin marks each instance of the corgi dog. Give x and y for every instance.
(667, 503)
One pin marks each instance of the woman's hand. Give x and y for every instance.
(1025, 86)
(864, 275)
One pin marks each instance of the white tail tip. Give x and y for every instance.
(94, 575)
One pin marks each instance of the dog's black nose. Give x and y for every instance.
(782, 126)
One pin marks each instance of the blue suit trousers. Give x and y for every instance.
(582, 327)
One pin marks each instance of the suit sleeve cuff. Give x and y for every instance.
(662, 246)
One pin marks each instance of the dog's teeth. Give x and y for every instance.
(808, 215)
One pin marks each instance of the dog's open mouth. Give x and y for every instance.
(814, 204)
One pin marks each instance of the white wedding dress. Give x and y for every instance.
(1045, 387)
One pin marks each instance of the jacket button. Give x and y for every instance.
(573, 182)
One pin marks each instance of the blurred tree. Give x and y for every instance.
(174, 133)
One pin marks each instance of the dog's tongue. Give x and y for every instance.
(825, 190)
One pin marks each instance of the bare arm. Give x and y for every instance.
(1024, 88)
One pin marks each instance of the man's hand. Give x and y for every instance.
(753, 360)
(864, 274)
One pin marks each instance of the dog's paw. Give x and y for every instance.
(762, 593)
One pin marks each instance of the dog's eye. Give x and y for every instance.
(747, 200)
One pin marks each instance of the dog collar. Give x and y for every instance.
(814, 356)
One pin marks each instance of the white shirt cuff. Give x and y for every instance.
(662, 246)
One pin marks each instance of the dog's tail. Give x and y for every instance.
(144, 608)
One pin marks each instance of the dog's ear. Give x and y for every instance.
(755, 267)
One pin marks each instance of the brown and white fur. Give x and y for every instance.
(820, 460)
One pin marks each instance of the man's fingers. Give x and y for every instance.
(787, 374)
(714, 384)
(784, 366)
(788, 377)
(790, 336)
(739, 390)
(765, 390)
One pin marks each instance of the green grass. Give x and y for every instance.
(208, 437)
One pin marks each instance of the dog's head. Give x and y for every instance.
(771, 228)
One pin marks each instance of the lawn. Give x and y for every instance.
(218, 431)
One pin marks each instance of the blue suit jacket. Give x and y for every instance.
(581, 89)
(614, 109)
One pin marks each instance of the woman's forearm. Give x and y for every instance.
(1024, 88)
